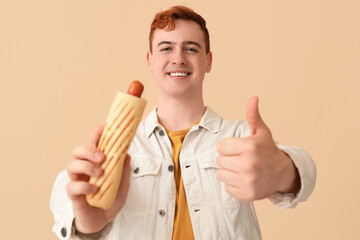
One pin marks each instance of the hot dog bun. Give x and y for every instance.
(121, 124)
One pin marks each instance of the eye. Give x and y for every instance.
(165, 49)
(192, 50)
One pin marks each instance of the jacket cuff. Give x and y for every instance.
(307, 172)
(100, 235)
(61, 207)
(63, 227)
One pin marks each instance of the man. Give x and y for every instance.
(196, 173)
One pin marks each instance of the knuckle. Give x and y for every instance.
(253, 146)
(220, 174)
(69, 188)
(227, 189)
(218, 160)
(251, 196)
(250, 166)
(253, 190)
(85, 168)
(77, 151)
(90, 150)
(88, 168)
(219, 146)
(69, 166)
(235, 193)
(222, 143)
(252, 181)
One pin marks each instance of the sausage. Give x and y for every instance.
(136, 88)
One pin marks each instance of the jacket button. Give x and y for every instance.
(63, 232)
(171, 168)
(161, 133)
(136, 170)
(161, 213)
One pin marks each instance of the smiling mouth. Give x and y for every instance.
(179, 74)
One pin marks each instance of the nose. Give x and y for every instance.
(179, 58)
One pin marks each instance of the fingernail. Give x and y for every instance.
(94, 188)
(98, 155)
(98, 171)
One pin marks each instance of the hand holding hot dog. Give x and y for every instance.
(99, 174)
(253, 168)
(86, 163)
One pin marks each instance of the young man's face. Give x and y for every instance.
(178, 60)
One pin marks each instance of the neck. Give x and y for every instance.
(180, 113)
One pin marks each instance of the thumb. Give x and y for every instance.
(253, 116)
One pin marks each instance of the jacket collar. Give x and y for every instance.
(211, 121)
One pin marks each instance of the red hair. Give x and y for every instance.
(165, 20)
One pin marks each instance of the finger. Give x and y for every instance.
(77, 168)
(97, 135)
(231, 163)
(229, 177)
(235, 192)
(78, 189)
(79, 177)
(89, 153)
(253, 116)
(230, 146)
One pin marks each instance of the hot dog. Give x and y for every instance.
(136, 89)
(121, 124)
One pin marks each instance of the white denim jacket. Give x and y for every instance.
(150, 206)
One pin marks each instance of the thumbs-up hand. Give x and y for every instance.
(253, 167)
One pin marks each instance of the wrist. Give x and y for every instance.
(85, 229)
(291, 182)
(100, 234)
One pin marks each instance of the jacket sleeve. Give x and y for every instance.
(61, 207)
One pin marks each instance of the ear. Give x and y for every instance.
(148, 59)
(209, 60)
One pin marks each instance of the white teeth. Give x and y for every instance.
(178, 74)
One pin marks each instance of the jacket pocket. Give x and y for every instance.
(214, 187)
(143, 177)
(141, 166)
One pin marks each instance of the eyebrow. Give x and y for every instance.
(192, 43)
(185, 43)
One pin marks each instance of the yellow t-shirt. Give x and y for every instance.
(182, 222)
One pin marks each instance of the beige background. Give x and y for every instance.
(61, 63)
